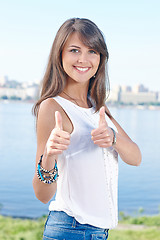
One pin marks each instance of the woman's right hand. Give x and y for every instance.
(58, 140)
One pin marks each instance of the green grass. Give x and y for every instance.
(24, 229)
(150, 233)
(141, 220)
(20, 229)
(148, 221)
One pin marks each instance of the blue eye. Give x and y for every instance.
(92, 51)
(74, 50)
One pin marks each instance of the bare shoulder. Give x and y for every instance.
(46, 116)
(111, 117)
(108, 112)
(114, 121)
(46, 119)
(49, 104)
(47, 109)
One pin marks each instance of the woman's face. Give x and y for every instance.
(79, 62)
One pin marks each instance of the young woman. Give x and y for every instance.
(78, 140)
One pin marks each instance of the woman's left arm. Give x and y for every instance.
(126, 148)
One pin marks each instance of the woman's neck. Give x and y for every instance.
(77, 96)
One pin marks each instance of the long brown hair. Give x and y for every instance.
(55, 77)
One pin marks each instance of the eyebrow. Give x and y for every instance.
(74, 46)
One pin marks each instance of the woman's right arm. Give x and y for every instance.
(51, 141)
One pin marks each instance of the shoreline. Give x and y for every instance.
(121, 218)
(114, 105)
(22, 217)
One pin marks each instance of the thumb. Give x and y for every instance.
(102, 119)
(58, 120)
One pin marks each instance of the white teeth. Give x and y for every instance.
(82, 69)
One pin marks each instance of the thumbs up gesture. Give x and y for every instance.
(103, 135)
(58, 140)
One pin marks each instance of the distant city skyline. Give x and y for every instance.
(130, 28)
(140, 87)
(119, 94)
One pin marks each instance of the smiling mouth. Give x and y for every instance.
(84, 69)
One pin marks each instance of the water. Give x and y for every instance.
(138, 186)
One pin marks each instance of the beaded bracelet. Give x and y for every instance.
(41, 173)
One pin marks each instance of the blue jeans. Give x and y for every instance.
(60, 226)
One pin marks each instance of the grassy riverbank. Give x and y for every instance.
(141, 228)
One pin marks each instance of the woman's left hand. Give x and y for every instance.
(103, 135)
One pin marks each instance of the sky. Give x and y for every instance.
(131, 30)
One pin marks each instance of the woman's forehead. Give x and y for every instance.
(76, 39)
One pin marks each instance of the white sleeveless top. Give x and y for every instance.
(88, 174)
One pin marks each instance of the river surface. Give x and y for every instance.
(139, 187)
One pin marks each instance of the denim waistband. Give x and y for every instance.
(60, 217)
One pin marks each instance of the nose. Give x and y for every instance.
(82, 58)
